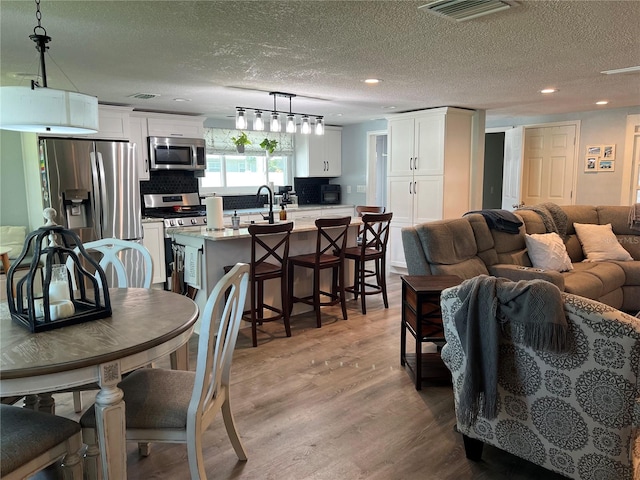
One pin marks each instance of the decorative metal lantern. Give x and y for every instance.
(64, 300)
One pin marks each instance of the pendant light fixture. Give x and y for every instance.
(41, 109)
(241, 119)
(258, 122)
(275, 124)
(306, 126)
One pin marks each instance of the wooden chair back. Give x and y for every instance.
(332, 236)
(362, 209)
(375, 231)
(269, 245)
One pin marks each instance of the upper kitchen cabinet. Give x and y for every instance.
(319, 155)
(113, 123)
(175, 126)
(143, 125)
(138, 136)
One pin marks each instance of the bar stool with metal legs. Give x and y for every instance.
(331, 242)
(372, 248)
(269, 257)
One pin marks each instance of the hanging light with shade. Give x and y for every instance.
(258, 122)
(305, 127)
(241, 119)
(41, 109)
(319, 126)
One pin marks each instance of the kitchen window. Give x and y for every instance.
(236, 171)
(231, 172)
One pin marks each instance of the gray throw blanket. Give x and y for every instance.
(501, 220)
(532, 310)
(553, 217)
(634, 216)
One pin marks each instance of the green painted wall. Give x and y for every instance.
(13, 197)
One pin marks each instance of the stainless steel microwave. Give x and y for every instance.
(171, 153)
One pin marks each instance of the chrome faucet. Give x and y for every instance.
(270, 217)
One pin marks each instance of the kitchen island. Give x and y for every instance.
(217, 249)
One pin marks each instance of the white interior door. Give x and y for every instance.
(512, 171)
(549, 165)
(631, 162)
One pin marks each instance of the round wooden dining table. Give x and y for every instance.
(145, 325)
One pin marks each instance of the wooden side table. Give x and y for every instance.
(421, 316)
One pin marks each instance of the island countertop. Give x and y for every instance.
(219, 248)
(299, 225)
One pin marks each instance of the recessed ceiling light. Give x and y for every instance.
(372, 81)
(390, 107)
(602, 102)
(181, 99)
(549, 90)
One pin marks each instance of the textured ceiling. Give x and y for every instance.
(226, 54)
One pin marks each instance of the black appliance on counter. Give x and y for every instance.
(330, 194)
(285, 191)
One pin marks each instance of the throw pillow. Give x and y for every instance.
(547, 251)
(599, 243)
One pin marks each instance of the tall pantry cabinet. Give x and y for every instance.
(428, 173)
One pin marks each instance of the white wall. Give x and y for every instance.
(596, 127)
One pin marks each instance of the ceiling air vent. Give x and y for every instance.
(461, 10)
(144, 96)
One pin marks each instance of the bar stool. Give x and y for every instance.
(361, 210)
(331, 242)
(269, 256)
(372, 248)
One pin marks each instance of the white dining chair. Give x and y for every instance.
(177, 406)
(115, 253)
(30, 441)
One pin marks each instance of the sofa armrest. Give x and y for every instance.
(520, 272)
(414, 255)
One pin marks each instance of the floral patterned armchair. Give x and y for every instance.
(576, 413)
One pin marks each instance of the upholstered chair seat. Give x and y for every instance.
(31, 441)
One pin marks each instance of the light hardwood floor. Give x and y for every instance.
(332, 404)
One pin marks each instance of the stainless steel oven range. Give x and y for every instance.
(177, 210)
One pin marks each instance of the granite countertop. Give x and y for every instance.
(276, 208)
(299, 225)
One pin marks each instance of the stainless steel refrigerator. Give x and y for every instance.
(93, 186)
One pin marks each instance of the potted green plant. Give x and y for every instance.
(241, 141)
(269, 145)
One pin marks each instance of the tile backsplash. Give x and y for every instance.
(169, 182)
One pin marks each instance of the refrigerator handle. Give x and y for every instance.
(97, 200)
(103, 195)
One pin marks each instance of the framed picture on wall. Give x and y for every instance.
(609, 152)
(606, 165)
(594, 150)
(591, 163)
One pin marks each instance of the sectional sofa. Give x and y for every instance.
(467, 247)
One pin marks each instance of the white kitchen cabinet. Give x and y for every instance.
(175, 126)
(138, 135)
(113, 123)
(429, 167)
(153, 240)
(319, 155)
